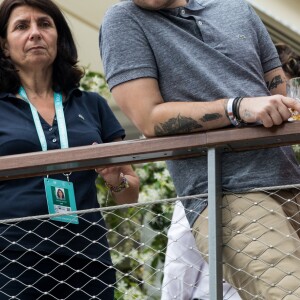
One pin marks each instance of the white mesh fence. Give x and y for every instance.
(261, 251)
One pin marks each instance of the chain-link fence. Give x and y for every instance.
(155, 256)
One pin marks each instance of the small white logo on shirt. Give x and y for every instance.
(241, 36)
(81, 116)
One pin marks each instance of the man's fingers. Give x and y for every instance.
(266, 120)
(291, 103)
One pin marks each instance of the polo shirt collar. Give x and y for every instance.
(5, 95)
(192, 5)
(75, 91)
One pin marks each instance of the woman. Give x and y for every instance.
(42, 108)
(60, 194)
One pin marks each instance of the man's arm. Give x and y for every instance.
(276, 81)
(142, 102)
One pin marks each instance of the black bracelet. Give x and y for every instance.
(234, 107)
(235, 111)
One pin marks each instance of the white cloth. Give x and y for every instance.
(186, 274)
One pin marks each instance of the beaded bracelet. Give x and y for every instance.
(122, 186)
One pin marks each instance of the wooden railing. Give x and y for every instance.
(142, 150)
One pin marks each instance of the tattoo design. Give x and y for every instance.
(176, 126)
(274, 82)
(211, 117)
(247, 114)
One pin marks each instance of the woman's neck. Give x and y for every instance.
(37, 83)
(39, 92)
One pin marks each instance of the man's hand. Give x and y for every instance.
(269, 111)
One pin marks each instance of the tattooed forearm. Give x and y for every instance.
(211, 117)
(273, 84)
(176, 126)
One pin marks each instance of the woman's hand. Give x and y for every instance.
(114, 177)
(111, 175)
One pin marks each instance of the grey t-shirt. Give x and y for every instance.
(207, 50)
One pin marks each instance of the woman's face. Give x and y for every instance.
(31, 40)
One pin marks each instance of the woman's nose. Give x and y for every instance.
(34, 33)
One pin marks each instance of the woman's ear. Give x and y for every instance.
(4, 48)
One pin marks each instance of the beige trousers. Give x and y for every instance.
(261, 248)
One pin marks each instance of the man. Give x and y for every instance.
(180, 66)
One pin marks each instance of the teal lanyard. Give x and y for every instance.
(62, 129)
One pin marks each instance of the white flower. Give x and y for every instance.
(122, 286)
(97, 81)
(166, 174)
(143, 175)
(134, 293)
(143, 197)
(160, 164)
(153, 194)
(158, 176)
(116, 257)
(146, 257)
(134, 254)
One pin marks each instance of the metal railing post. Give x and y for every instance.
(215, 223)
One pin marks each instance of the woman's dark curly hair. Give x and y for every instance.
(66, 73)
(290, 60)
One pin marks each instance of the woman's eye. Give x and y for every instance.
(45, 24)
(21, 26)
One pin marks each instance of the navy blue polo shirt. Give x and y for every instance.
(89, 119)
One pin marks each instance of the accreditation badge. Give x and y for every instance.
(61, 199)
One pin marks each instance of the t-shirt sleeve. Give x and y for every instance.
(124, 48)
(267, 51)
